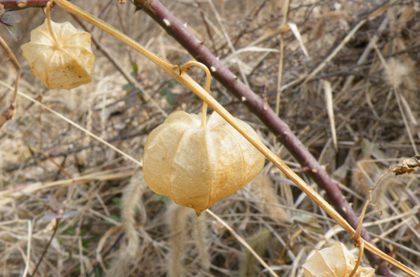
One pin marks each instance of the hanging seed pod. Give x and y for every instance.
(334, 261)
(197, 166)
(62, 60)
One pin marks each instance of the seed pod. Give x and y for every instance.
(65, 61)
(195, 166)
(334, 261)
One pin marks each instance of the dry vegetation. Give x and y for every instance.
(109, 220)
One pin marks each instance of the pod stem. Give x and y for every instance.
(184, 68)
(48, 15)
(185, 79)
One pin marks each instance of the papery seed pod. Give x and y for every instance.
(63, 62)
(334, 261)
(195, 166)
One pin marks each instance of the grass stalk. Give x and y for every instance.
(186, 80)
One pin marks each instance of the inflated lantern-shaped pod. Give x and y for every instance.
(334, 261)
(198, 165)
(60, 56)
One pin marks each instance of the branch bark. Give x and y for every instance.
(257, 105)
(156, 10)
(10, 5)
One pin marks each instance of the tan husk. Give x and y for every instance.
(63, 62)
(334, 261)
(196, 167)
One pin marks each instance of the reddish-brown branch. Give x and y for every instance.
(9, 113)
(10, 5)
(256, 104)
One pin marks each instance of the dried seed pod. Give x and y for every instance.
(196, 166)
(60, 60)
(334, 261)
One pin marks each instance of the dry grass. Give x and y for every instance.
(375, 88)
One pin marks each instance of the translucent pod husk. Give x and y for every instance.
(196, 167)
(334, 261)
(62, 63)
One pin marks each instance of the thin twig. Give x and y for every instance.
(286, 4)
(193, 45)
(57, 221)
(127, 76)
(335, 52)
(135, 161)
(186, 80)
(243, 242)
(396, 92)
(9, 113)
(77, 126)
(201, 93)
(366, 52)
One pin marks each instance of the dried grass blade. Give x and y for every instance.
(396, 92)
(296, 32)
(28, 250)
(330, 111)
(8, 196)
(285, 8)
(76, 125)
(243, 242)
(335, 52)
(249, 49)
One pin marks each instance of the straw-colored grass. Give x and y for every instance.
(111, 224)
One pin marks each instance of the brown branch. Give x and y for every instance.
(9, 113)
(46, 247)
(196, 48)
(10, 5)
(256, 104)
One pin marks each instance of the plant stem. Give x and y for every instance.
(254, 102)
(9, 113)
(10, 5)
(47, 13)
(156, 10)
(46, 248)
(208, 84)
(183, 78)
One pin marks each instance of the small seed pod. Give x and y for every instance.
(197, 166)
(62, 60)
(334, 261)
